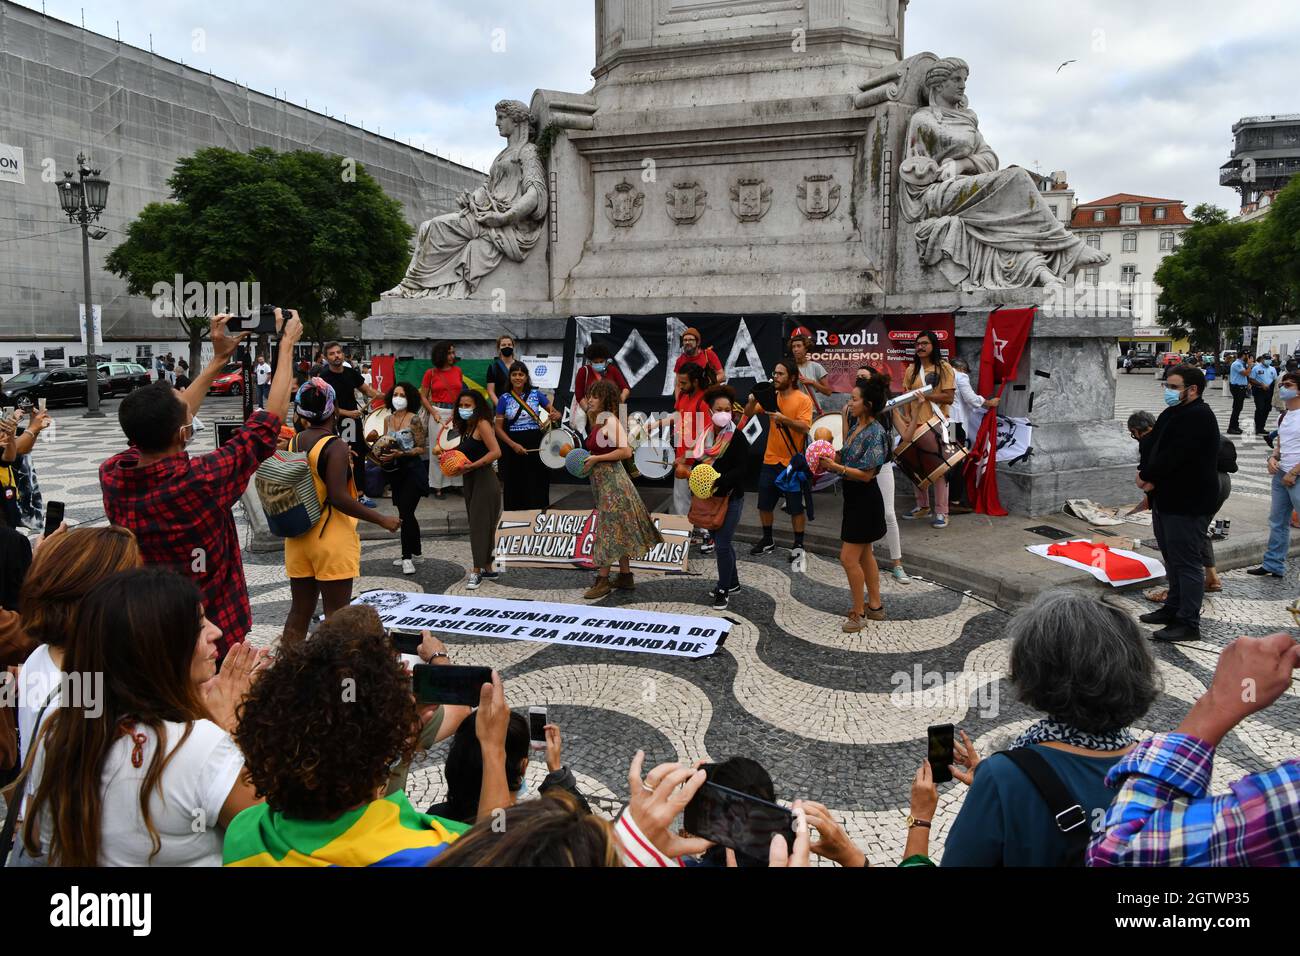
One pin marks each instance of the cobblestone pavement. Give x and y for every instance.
(833, 717)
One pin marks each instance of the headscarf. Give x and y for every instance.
(315, 385)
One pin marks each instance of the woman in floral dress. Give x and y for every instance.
(623, 527)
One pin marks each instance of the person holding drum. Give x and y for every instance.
(522, 415)
(624, 528)
(400, 452)
(787, 435)
(929, 368)
(478, 442)
(439, 390)
(866, 451)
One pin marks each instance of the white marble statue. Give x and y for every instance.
(982, 227)
(501, 219)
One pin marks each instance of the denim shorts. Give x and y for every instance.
(769, 494)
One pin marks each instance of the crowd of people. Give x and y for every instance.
(149, 732)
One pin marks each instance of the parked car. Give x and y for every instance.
(58, 386)
(1170, 359)
(1140, 360)
(230, 381)
(124, 377)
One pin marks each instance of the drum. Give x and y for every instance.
(765, 394)
(575, 462)
(930, 455)
(384, 444)
(452, 463)
(375, 422)
(816, 454)
(448, 438)
(655, 458)
(556, 445)
(833, 423)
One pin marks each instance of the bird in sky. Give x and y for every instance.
(1065, 64)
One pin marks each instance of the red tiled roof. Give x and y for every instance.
(1147, 205)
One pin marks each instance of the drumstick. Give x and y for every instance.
(908, 397)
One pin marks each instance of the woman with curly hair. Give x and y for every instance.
(624, 529)
(320, 731)
(137, 767)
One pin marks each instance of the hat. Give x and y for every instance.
(802, 330)
(692, 331)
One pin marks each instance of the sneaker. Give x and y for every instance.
(367, 502)
(600, 589)
(1235, 431)
(796, 554)
(763, 547)
(733, 590)
(708, 546)
(475, 579)
(417, 558)
(719, 600)
(917, 512)
(940, 521)
(900, 575)
(1158, 616)
(408, 566)
(490, 575)
(1177, 631)
(1262, 572)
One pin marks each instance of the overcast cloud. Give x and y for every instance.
(1147, 107)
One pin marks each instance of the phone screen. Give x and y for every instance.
(737, 820)
(449, 683)
(537, 725)
(940, 752)
(405, 643)
(53, 517)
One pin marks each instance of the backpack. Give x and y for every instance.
(289, 500)
(1227, 463)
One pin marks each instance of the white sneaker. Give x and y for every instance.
(900, 575)
(408, 566)
(473, 582)
(399, 562)
(418, 559)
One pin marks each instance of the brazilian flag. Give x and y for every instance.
(474, 371)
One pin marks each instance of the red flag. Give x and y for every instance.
(1005, 339)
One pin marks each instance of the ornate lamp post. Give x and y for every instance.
(83, 200)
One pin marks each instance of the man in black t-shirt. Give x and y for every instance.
(346, 382)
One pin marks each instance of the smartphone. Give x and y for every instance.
(53, 517)
(405, 643)
(940, 751)
(737, 820)
(537, 728)
(261, 322)
(449, 683)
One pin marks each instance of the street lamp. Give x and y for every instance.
(83, 200)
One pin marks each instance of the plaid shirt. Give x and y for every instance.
(180, 510)
(1163, 815)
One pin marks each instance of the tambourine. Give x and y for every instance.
(930, 455)
(556, 446)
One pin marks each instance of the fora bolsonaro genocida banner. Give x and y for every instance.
(647, 632)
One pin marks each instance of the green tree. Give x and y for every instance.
(314, 231)
(1204, 292)
(1270, 258)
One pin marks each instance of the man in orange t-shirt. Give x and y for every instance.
(787, 434)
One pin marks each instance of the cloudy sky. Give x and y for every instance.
(1146, 108)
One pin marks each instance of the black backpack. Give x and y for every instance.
(1227, 456)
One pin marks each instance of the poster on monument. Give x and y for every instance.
(646, 348)
(844, 343)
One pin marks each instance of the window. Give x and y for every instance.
(1092, 275)
(1130, 214)
(1160, 212)
(1128, 274)
(1166, 242)
(1094, 241)
(1130, 242)
(1099, 216)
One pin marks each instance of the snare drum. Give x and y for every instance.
(930, 455)
(556, 445)
(654, 458)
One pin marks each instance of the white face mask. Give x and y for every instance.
(399, 403)
(721, 419)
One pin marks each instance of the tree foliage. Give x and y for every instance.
(315, 231)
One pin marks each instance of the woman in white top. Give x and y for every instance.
(143, 724)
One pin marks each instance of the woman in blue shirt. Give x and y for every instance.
(866, 450)
(1088, 667)
(523, 414)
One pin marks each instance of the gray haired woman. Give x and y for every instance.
(1086, 665)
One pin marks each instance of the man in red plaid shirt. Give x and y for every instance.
(180, 507)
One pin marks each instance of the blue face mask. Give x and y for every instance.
(600, 367)
(465, 413)
(1286, 394)
(1173, 396)
(1267, 362)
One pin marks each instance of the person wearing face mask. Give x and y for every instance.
(178, 506)
(1180, 476)
(1284, 466)
(693, 353)
(478, 443)
(727, 450)
(498, 373)
(1263, 376)
(598, 366)
(403, 459)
